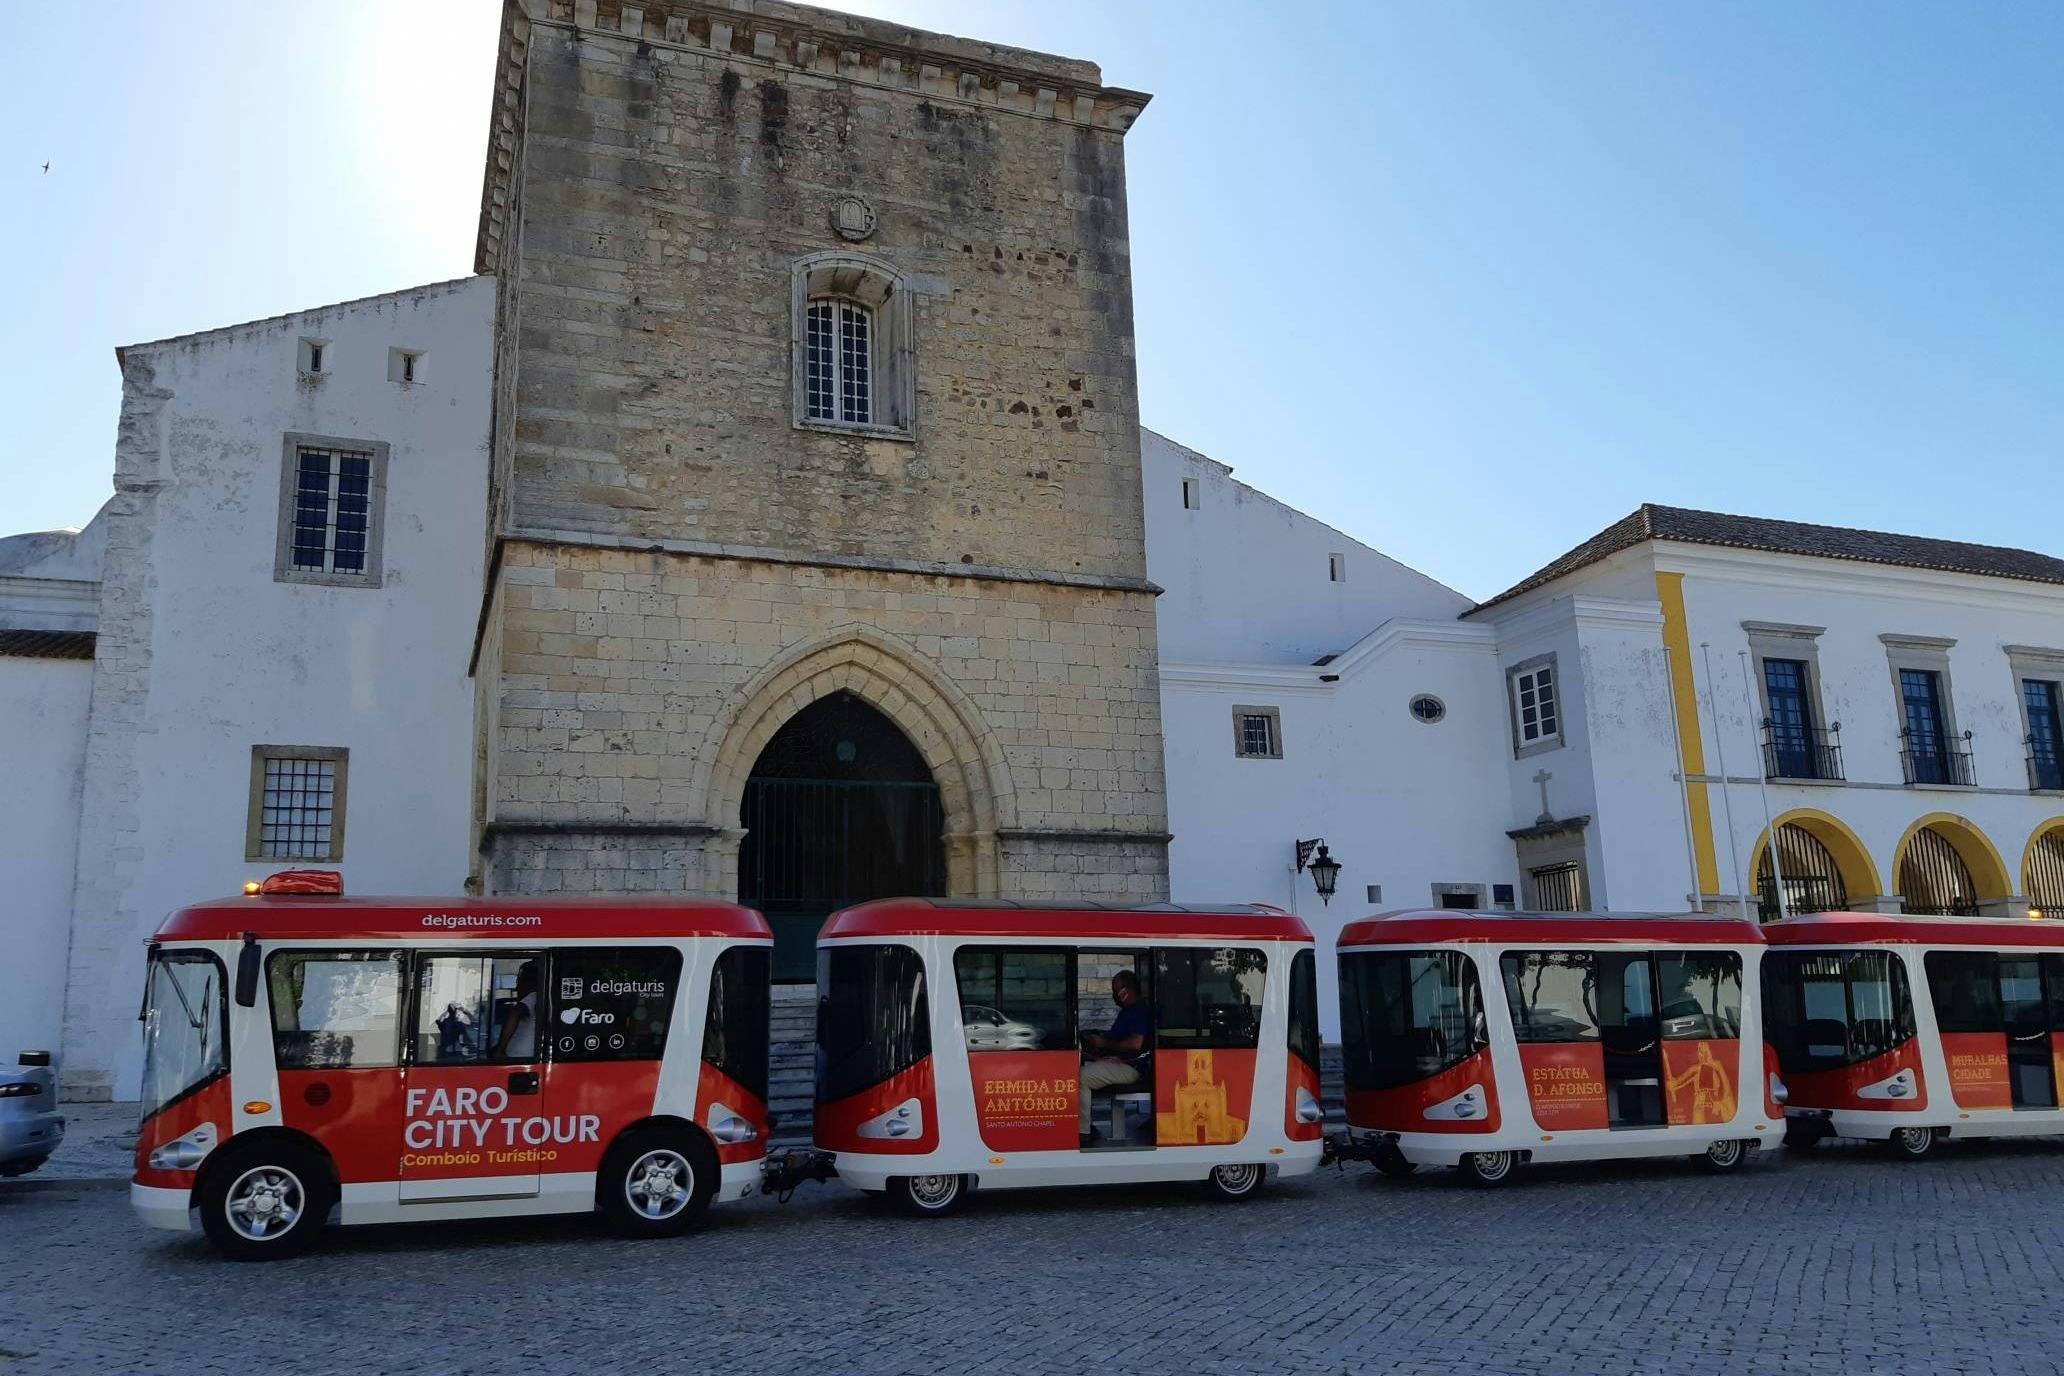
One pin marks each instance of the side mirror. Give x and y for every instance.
(248, 961)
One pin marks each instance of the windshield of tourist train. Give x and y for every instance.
(734, 1033)
(1826, 1009)
(185, 1026)
(1407, 1015)
(873, 1020)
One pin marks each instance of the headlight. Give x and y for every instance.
(184, 1153)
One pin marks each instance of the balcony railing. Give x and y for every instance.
(1936, 760)
(2045, 767)
(1800, 753)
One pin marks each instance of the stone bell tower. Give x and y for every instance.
(814, 377)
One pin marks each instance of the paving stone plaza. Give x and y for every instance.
(1843, 1262)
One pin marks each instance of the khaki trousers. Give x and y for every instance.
(1103, 1075)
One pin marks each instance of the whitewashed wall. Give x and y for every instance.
(203, 654)
(1403, 804)
(42, 746)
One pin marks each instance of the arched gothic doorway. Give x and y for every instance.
(1933, 878)
(1812, 880)
(839, 808)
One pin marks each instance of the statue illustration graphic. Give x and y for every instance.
(1708, 1086)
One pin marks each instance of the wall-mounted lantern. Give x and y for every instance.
(1325, 870)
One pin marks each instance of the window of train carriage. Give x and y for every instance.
(1826, 1009)
(873, 1018)
(1552, 995)
(1208, 998)
(1406, 1016)
(1304, 1008)
(1015, 998)
(613, 1003)
(734, 1032)
(473, 1009)
(1699, 995)
(1964, 987)
(335, 1010)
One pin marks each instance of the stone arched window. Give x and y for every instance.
(851, 330)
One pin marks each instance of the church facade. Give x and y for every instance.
(770, 518)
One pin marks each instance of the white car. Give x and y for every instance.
(989, 1030)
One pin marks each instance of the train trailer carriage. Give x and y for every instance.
(1485, 1040)
(1908, 1030)
(968, 1045)
(310, 1055)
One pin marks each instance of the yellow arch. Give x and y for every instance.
(1973, 847)
(1852, 858)
(2042, 829)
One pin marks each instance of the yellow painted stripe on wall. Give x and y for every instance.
(1691, 749)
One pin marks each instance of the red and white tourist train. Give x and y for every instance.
(966, 1045)
(1908, 1030)
(389, 1059)
(1485, 1040)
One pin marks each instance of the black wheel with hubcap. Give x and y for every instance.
(265, 1201)
(1723, 1156)
(1234, 1183)
(928, 1196)
(1913, 1144)
(656, 1181)
(1488, 1167)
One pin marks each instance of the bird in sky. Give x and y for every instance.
(46, 167)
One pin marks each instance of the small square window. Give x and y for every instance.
(1336, 568)
(1191, 498)
(1257, 733)
(296, 807)
(314, 356)
(405, 366)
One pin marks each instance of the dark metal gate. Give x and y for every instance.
(1933, 879)
(1558, 888)
(2045, 878)
(1812, 881)
(840, 808)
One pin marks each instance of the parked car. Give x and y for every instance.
(989, 1030)
(30, 1125)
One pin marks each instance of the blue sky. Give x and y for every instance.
(1469, 280)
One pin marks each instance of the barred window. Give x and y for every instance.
(297, 803)
(330, 517)
(1258, 733)
(332, 507)
(839, 356)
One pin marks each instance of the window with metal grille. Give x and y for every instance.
(330, 499)
(1257, 733)
(2044, 879)
(300, 807)
(1812, 880)
(1558, 888)
(332, 510)
(1536, 711)
(1933, 878)
(838, 357)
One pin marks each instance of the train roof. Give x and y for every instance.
(1088, 921)
(1851, 929)
(1422, 926)
(342, 917)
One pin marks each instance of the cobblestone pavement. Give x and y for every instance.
(1842, 1262)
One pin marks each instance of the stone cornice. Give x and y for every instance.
(798, 38)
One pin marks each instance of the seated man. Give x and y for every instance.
(1117, 1057)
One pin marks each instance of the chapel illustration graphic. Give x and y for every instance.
(1198, 1112)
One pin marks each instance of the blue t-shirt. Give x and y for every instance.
(1135, 1019)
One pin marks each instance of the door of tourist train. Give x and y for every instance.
(1908, 1030)
(392, 1060)
(1486, 1040)
(1004, 1045)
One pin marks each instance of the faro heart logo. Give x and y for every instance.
(569, 1015)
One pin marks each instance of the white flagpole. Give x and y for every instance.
(1726, 793)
